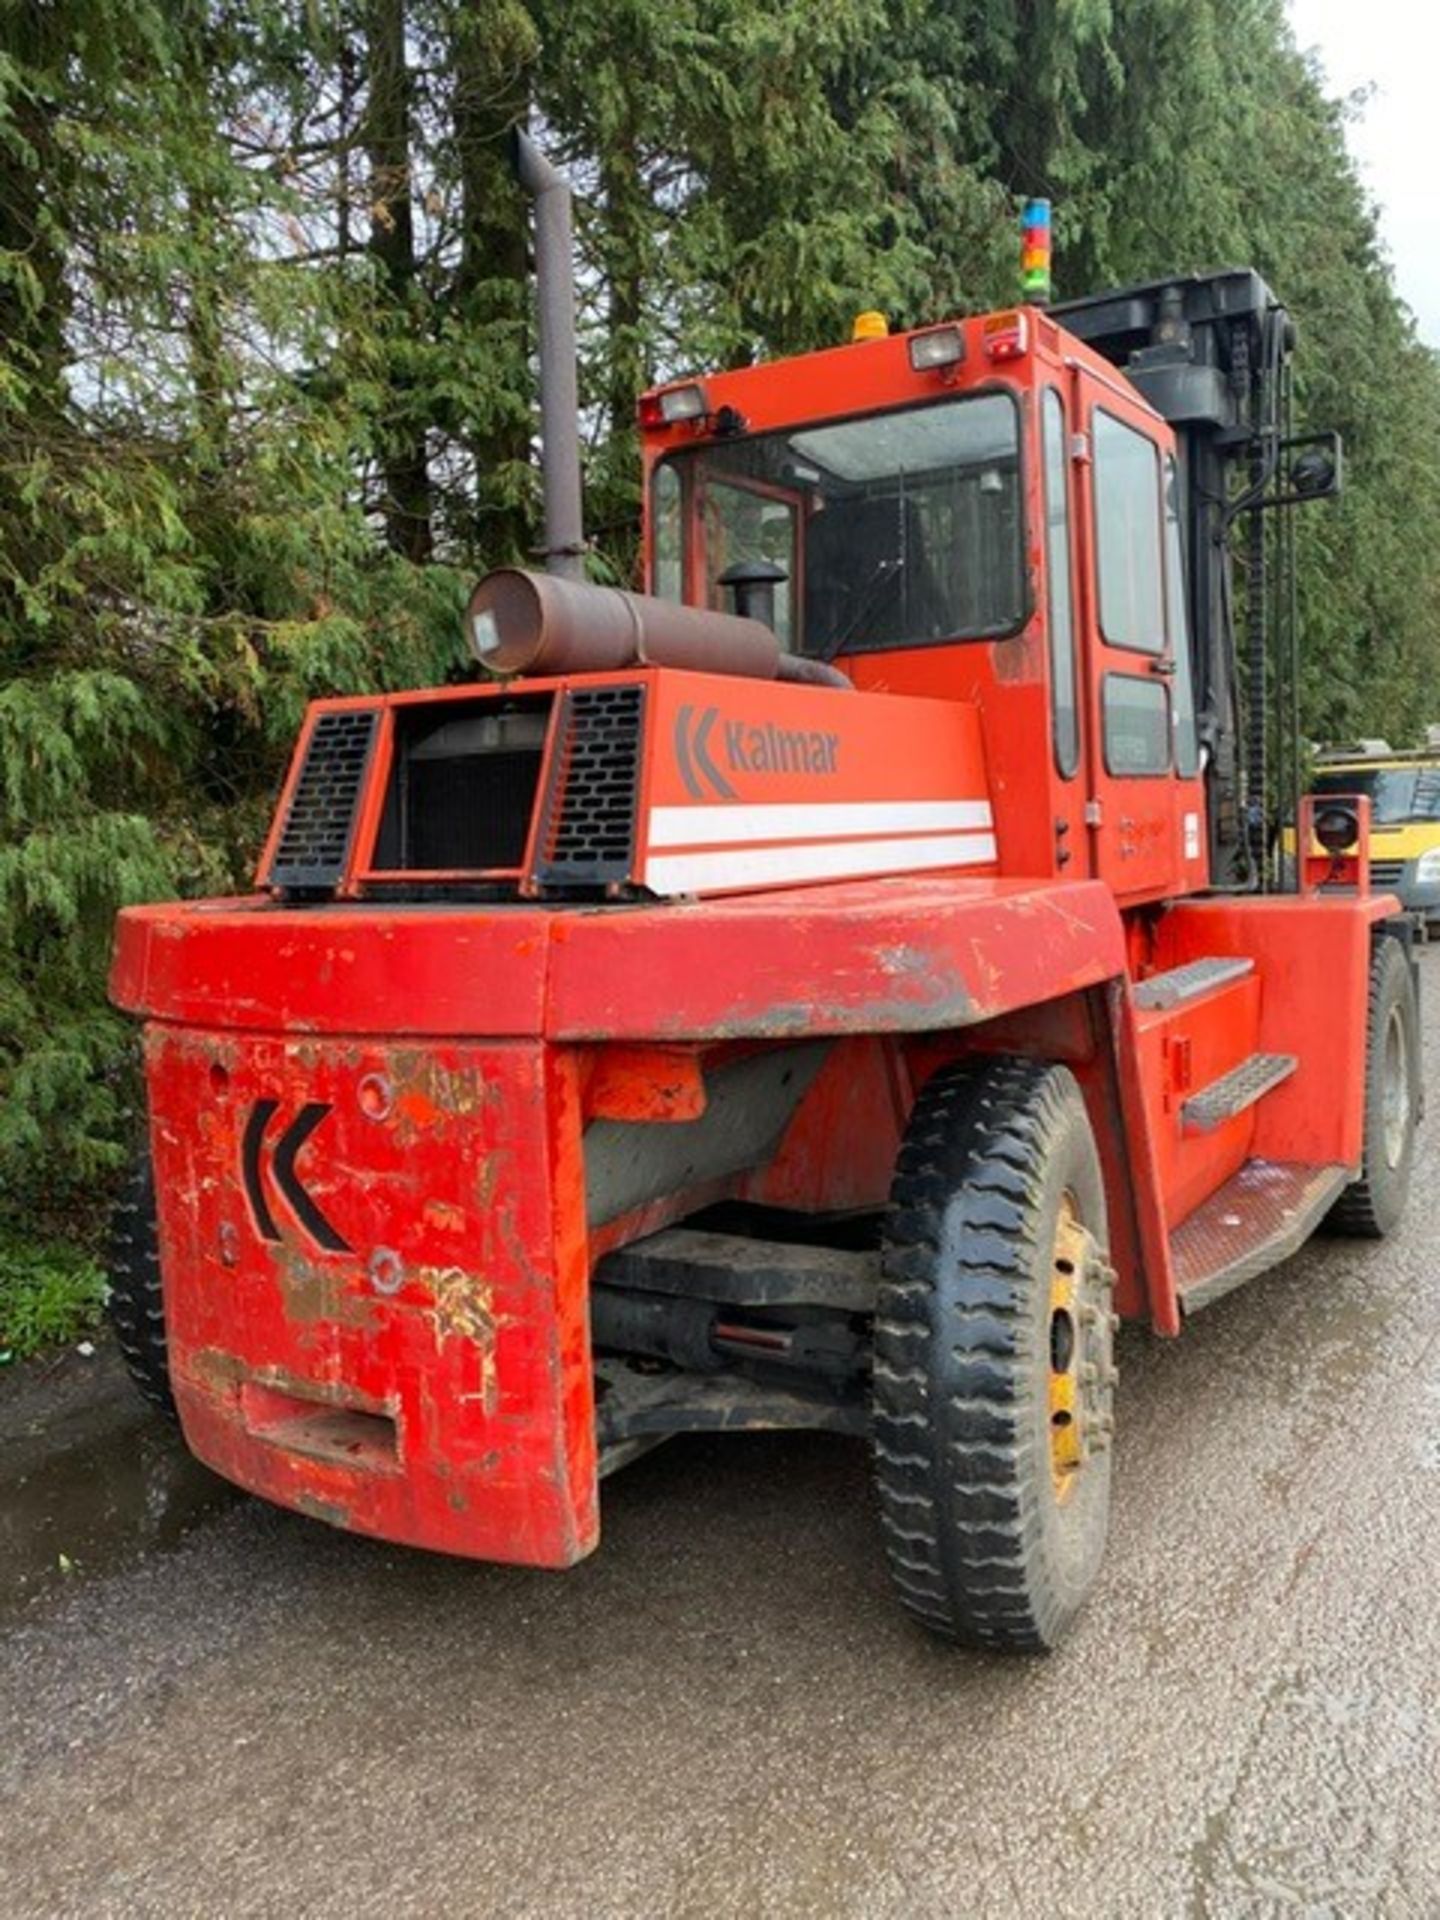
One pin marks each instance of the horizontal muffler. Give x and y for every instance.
(531, 623)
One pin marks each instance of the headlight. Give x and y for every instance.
(1427, 868)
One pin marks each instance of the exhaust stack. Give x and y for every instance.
(559, 388)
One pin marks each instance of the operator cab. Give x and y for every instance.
(984, 511)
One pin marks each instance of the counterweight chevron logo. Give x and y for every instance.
(745, 749)
(282, 1174)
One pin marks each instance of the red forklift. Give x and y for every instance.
(829, 989)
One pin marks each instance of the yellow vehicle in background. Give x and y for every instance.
(1404, 794)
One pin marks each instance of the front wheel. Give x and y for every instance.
(1372, 1205)
(994, 1371)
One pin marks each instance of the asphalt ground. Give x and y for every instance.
(725, 1713)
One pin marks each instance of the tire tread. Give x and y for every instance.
(1362, 1210)
(952, 1454)
(135, 1306)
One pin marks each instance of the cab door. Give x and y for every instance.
(1132, 810)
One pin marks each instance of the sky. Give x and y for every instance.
(1391, 47)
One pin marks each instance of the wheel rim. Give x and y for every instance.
(1395, 1098)
(1082, 1378)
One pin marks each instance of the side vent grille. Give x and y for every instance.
(589, 833)
(315, 840)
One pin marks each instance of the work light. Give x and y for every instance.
(936, 347)
(672, 406)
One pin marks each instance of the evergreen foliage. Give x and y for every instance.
(266, 402)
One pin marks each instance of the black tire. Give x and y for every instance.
(988, 1543)
(136, 1306)
(1371, 1206)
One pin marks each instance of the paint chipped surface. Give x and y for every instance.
(330, 1511)
(429, 1377)
(897, 955)
(462, 1306)
(317, 1290)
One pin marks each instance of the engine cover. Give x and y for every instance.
(650, 782)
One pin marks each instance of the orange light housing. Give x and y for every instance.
(1005, 336)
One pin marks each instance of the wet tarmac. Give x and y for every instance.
(90, 1480)
(724, 1713)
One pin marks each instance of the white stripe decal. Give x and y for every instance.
(818, 860)
(722, 825)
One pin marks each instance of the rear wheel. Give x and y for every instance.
(994, 1373)
(136, 1307)
(1372, 1205)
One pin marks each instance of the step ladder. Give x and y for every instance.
(1229, 1096)
(1162, 991)
(1265, 1210)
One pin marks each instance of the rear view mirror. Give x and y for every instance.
(1316, 471)
(1312, 474)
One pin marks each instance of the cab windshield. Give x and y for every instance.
(891, 530)
(1397, 794)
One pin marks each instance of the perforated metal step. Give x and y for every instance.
(1203, 1112)
(1256, 1220)
(1172, 989)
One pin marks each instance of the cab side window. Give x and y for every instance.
(669, 535)
(1134, 707)
(1136, 714)
(1064, 713)
(1127, 536)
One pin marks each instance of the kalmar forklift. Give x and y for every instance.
(830, 989)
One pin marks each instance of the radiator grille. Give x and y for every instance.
(462, 785)
(589, 837)
(315, 840)
(1386, 873)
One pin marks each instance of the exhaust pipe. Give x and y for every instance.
(521, 622)
(559, 387)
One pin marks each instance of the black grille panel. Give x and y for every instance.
(1386, 873)
(589, 837)
(462, 786)
(315, 840)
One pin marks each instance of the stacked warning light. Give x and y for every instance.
(1037, 248)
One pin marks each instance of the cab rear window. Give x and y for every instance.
(895, 529)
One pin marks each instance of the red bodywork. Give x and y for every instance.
(393, 1137)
